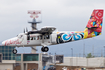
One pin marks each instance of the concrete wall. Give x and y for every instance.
(32, 66)
(8, 61)
(80, 61)
(5, 66)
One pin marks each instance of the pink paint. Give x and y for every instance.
(69, 35)
(12, 42)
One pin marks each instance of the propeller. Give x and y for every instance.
(26, 29)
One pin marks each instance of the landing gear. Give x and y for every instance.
(44, 49)
(14, 51)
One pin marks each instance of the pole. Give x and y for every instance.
(55, 60)
(104, 56)
(72, 55)
(72, 51)
(93, 51)
(84, 50)
(101, 53)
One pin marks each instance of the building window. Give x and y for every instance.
(0, 47)
(0, 57)
(7, 52)
(18, 57)
(30, 57)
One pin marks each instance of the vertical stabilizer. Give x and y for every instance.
(94, 25)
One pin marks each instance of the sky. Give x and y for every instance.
(65, 15)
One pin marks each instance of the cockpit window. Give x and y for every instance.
(20, 36)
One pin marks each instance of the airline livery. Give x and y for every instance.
(48, 36)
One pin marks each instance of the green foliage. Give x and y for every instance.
(89, 55)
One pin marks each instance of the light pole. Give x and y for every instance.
(104, 56)
(72, 51)
(72, 55)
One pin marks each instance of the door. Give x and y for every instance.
(53, 38)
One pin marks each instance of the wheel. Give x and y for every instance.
(46, 49)
(42, 49)
(14, 51)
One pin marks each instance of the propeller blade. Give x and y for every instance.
(26, 29)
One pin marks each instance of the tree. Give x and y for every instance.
(89, 55)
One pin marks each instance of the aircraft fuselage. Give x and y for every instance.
(43, 40)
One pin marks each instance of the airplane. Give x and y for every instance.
(48, 36)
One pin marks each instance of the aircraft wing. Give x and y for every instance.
(47, 30)
(44, 30)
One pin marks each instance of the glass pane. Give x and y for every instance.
(10, 51)
(18, 58)
(6, 58)
(13, 58)
(2, 47)
(18, 54)
(3, 58)
(6, 51)
(10, 48)
(6, 54)
(2, 51)
(9, 55)
(41, 37)
(30, 57)
(31, 38)
(47, 36)
(12, 55)
(9, 58)
(6, 47)
(3, 54)
(34, 38)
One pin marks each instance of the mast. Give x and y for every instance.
(34, 22)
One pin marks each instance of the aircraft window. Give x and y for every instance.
(20, 36)
(37, 37)
(28, 37)
(40, 37)
(34, 38)
(31, 38)
(47, 36)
